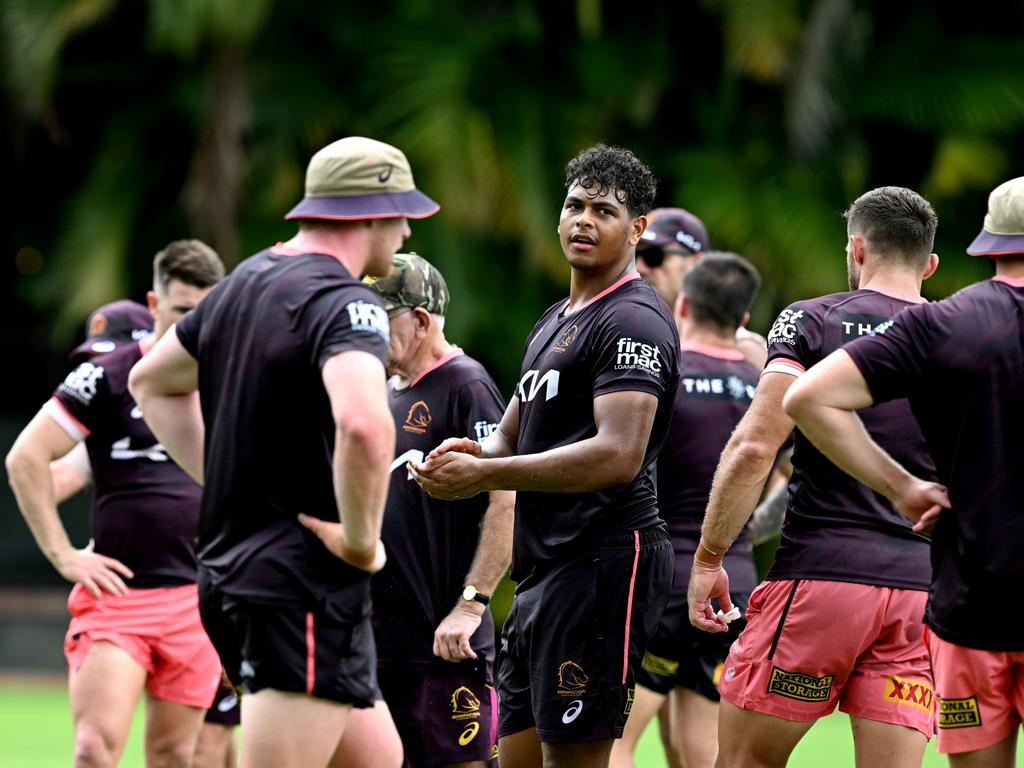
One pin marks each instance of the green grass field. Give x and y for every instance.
(35, 732)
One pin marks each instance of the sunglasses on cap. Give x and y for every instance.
(654, 256)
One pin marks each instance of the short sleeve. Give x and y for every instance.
(78, 400)
(187, 328)
(635, 350)
(894, 358)
(794, 342)
(480, 408)
(350, 319)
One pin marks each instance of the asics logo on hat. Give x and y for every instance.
(385, 174)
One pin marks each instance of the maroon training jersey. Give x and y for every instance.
(621, 340)
(715, 390)
(261, 337)
(961, 364)
(431, 542)
(145, 508)
(837, 529)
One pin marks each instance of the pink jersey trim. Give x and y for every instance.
(721, 353)
(444, 359)
(1016, 282)
(783, 365)
(605, 292)
(57, 411)
(629, 604)
(310, 654)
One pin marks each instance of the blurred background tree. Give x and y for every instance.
(129, 124)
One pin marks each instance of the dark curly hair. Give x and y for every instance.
(602, 168)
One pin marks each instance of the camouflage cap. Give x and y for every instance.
(413, 282)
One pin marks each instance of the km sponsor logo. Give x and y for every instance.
(959, 713)
(914, 693)
(796, 685)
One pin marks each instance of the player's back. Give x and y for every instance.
(261, 337)
(837, 528)
(716, 387)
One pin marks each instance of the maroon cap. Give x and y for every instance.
(674, 226)
(114, 325)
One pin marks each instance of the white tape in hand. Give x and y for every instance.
(732, 615)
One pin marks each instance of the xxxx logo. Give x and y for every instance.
(914, 693)
(572, 680)
(418, 418)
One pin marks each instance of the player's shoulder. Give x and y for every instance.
(117, 364)
(634, 300)
(104, 373)
(464, 368)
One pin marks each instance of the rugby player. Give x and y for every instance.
(960, 362)
(294, 431)
(682, 664)
(135, 622)
(673, 242)
(839, 617)
(435, 636)
(579, 442)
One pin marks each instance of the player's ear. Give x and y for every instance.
(745, 320)
(422, 318)
(933, 264)
(639, 225)
(857, 248)
(682, 307)
(151, 302)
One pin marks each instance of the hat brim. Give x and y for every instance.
(989, 244)
(658, 241)
(384, 205)
(97, 345)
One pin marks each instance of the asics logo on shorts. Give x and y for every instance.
(575, 707)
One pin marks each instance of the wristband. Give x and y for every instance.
(709, 554)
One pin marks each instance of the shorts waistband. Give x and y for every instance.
(649, 535)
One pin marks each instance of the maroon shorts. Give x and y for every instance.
(980, 695)
(159, 628)
(809, 645)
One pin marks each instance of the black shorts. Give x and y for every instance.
(225, 709)
(680, 655)
(288, 649)
(444, 715)
(572, 643)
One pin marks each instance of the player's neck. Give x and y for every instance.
(429, 354)
(1010, 266)
(897, 283)
(587, 284)
(343, 244)
(693, 335)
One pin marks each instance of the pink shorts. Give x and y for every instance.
(980, 695)
(159, 628)
(809, 644)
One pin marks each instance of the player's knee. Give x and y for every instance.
(169, 752)
(93, 747)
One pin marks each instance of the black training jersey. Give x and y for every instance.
(621, 340)
(145, 508)
(836, 528)
(961, 363)
(715, 389)
(261, 337)
(431, 542)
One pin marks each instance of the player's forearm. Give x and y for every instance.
(496, 445)
(177, 422)
(767, 519)
(739, 480)
(494, 552)
(363, 448)
(595, 464)
(32, 484)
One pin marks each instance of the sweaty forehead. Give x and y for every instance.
(596, 193)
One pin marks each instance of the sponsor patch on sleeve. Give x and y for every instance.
(914, 693)
(796, 685)
(365, 316)
(81, 383)
(784, 330)
(959, 713)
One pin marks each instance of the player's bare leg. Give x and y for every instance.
(886, 744)
(665, 734)
(592, 754)
(520, 750)
(749, 739)
(1000, 755)
(370, 740)
(216, 747)
(646, 704)
(103, 694)
(172, 730)
(290, 730)
(693, 729)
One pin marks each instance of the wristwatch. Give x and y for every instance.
(470, 592)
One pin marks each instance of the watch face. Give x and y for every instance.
(469, 593)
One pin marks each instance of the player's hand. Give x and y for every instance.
(450, 476)
(926, 525)
(333, 537)
(97, 573)
(451, 638)
(706, 582)
(918, 499)
(457, 445)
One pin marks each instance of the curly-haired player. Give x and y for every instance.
(579, 442)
